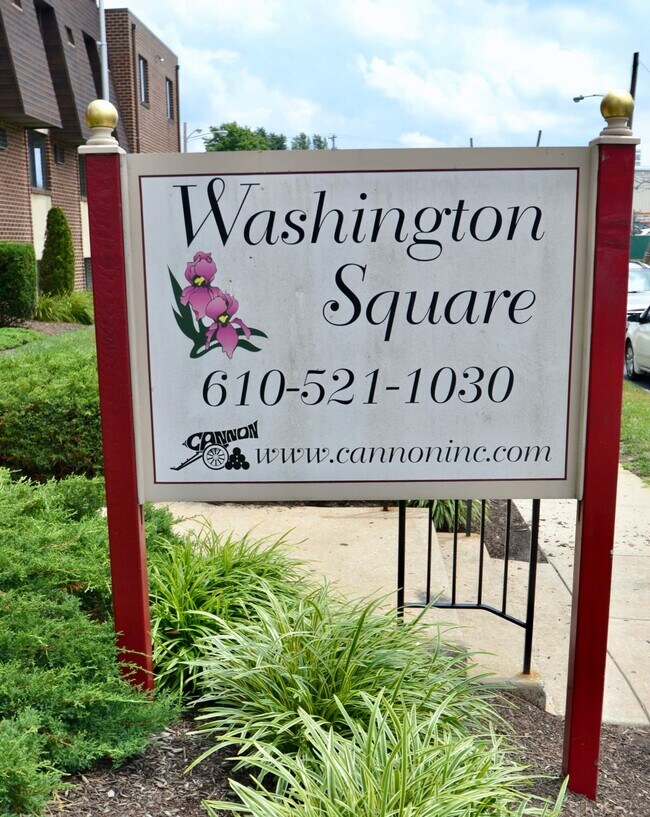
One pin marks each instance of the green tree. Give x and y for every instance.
(57, 263)
(301, 142)
(231, 136)
(275, 141)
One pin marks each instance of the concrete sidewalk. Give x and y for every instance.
(355, 548)
(627, 690)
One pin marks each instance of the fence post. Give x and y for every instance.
(614, 152)
(104, 160)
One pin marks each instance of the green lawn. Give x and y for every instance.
(12, 336)
(635, 431)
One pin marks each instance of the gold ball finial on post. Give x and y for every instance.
(617, 108)
(101, 116)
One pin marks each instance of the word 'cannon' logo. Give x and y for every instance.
(212, 448)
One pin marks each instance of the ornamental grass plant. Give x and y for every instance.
(320, 654)
(70, 307)
(391, 762)
(450, 514)
(207, 584)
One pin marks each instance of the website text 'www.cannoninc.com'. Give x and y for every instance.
(365, 455)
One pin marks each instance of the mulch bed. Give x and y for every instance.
(51, 328)
(155, 784)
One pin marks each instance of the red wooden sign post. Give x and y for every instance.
(124, 511)
(595, 525)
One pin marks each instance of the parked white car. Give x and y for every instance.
(638, 288)
(637, 345)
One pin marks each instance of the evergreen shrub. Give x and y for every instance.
(26, 779)
(57, 263)
(63, 703)
(49, 407)
(17, 283)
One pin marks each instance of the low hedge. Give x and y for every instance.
(49, 407)
(17, 283)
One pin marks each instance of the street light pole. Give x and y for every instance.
(103, 50)
(187, 136)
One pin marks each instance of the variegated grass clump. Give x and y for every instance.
(204, 584)
(392, 762)
(318, 654)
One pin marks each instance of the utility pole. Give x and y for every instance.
(635, 71)
(333, 138)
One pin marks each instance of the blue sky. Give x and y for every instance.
(406, 73)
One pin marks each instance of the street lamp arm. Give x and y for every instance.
(585, 96)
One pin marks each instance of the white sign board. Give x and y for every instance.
(390, 324)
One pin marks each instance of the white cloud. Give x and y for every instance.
(248, 18)
(230, 92)
(415, 139)
(515, 88)
(384, 20)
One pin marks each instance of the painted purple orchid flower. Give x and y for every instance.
(221, 309)
(199, 273)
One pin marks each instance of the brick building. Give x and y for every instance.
(49, 72)
(145, 75)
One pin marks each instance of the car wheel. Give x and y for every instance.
(630, 368)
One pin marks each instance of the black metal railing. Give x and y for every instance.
(478, 601)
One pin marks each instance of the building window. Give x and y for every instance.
(3, 139)
(169, 87)
(38, 160)
(83, 190)
(143, 69)
(59, 154)
(88, 274)
(69, 35)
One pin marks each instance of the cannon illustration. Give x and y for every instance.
(213, 455)
(212, 448)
